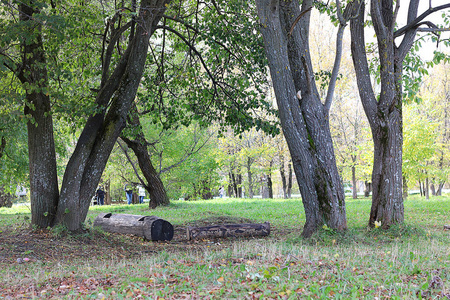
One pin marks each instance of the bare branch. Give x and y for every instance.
(122, 147)
(298, 19)
(414, 25)
(211, 76)
(192, 151)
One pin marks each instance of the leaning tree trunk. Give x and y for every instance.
(41, 147)
(154, 186)
(85, 167)
(305, 120)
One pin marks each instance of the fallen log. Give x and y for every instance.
(151, 228)
(228, 230)
(446, 227)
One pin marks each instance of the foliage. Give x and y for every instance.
(419, 143)
(207, 65)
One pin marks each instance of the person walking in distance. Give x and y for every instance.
(128, 193)
(100, 196)
(141, 190)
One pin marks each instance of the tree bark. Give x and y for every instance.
(304, 120)
(85, 167)
(228, 230)
(154, 184)
(41, 146)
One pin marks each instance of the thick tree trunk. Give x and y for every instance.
(41, 147)
(385, 112)
(154, 185)
(85, 167)
(427, 188)
(151, 228)
(387, 196)
(305, 120)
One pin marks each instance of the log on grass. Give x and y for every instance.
(446, 227)
(228, 230)
(151, 228)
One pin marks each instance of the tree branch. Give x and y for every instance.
(414, 24)
(194, 50)
(130, 161)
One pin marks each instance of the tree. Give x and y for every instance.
(304, 120)
(153, 184)
(436, 99)
(384, 111)
(420, 145)
(113, 98)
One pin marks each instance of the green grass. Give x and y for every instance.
(409, 261)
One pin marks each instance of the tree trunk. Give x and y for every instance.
(239, 185)
(427, 188)
(154, 184)
(41, 147)
(228, 230)
(385, 112)
(387, 196)
(270, 186)
(151, 228)
(85, 167)
(421, 188)
(405, 188)
(439, 190)
(250, 177)
(433, 189)
(289, 186)
(367, 188)
(108, 193)
(304, 120)
(283, 176)
(355, 188)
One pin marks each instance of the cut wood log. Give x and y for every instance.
(446, 227)
(151, 228)
(228, 230)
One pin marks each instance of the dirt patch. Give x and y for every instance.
(45, 245)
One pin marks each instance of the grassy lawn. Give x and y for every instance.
(411, 261)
